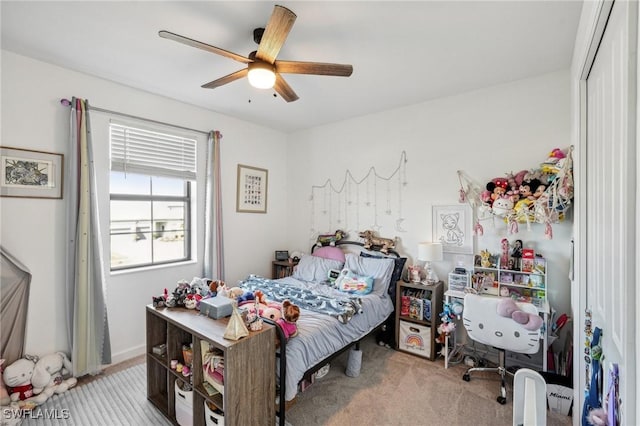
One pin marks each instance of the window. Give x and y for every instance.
(150, 197)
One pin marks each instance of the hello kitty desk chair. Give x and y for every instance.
(484, 325)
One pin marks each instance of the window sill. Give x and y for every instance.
(143, 269)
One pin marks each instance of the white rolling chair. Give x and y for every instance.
(486, 326)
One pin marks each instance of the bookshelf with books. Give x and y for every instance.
(418, 309)
(526, 285)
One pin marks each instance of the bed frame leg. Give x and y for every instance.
(283, 371)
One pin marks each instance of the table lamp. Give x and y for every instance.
(430, 252)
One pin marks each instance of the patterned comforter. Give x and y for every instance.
(329, 302)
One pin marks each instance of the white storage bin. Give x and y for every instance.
(211, 418)
(415, 338)
(184, 405)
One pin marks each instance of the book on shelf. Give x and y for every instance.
(415, 308)
(528, 256)
(539, 265)
(426, 311)
(404, 305)
(536, 281)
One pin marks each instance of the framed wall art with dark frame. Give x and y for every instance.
(28, 173)
(251, 196)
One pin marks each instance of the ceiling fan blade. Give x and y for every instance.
(203, 46)
(316, 68)
(284, 89)
(226, 79)
(275, 33)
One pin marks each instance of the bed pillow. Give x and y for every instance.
(329, 252)
(397, 270)
(314, 268)
(352, 283)
(379, 269)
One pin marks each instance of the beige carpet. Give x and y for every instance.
(395, 388)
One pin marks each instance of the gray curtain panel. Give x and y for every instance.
(88, 327)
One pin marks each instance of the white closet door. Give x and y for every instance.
(610, 193)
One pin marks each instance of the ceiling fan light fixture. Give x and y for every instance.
(261, 75)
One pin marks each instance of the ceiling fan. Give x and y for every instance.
(263, 70)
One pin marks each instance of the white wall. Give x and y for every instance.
(485, 133)
(33, 230)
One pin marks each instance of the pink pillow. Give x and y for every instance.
(330, 252)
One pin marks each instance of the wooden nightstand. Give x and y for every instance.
(282, 268)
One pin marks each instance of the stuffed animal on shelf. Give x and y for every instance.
(50, 372)
(485, 258)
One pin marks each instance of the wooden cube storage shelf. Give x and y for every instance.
(427, 327)
(241, 404)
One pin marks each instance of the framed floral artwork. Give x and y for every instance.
(452, 228)
(252, 188)
(30, 174)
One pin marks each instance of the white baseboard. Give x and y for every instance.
(128, 354)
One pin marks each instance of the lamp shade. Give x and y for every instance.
(430, 252)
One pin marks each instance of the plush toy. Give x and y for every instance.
(223, 290)
(496, 188)
(213, 287)
(159, 302)
(271, 312)
(508, 308)
(485, 258)
(502, 206)
(330, 239)
(528, 187)
(539, 191)
(50, 371)
(290, 315)
(515, 180)
(190, 301)
(17, 377)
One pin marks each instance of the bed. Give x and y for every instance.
(331, 321)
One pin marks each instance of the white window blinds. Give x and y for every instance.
(135, 150)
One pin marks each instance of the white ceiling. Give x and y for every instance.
(402, 52)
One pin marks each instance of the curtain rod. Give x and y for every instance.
(67, 103)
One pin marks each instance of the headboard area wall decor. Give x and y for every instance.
(374, 201)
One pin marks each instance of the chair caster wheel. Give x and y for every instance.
(502, 400)
(466, 377)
